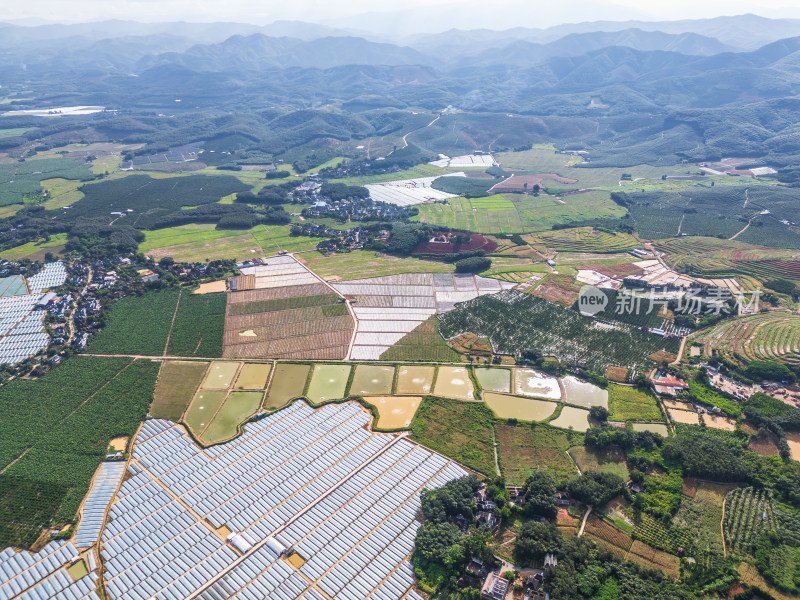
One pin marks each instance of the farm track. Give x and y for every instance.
(172, 324)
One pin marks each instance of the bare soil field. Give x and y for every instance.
(687, 417)
(558, 288)
(525, 183)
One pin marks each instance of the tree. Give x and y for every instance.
(166, 262)
(453, 498)
(476, 264)
(599, 413)
(439, 543)
(760, 370)
(540, 496)
(535, 540)
(594, 488)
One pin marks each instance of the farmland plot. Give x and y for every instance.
(388, 308)
(282, 310)
(407, 192)
(515, 322)
(177, 382)
(525, 448)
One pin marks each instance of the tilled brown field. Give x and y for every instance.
(280, 323)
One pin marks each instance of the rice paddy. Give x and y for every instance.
(518, 407)
(328, 382)
(395, 412)
(454, 382)
(583, 393)
(532, 383)
(572, 418)
(221, 375)
(494, 380)
(288, 383)
(372, 379)
(414, 379)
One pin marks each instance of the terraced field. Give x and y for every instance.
(769, 336)
(582, 239)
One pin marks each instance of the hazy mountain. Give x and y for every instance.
(258, 52)
(522, 53)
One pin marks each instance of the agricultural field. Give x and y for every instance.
(199, 325)
(632, 404)
(281, 310)
(21, 181)
(372, 380)
(137, 325)
(493, 214)
(562, 289)
(748, 512)
(702, 515)
(328, 382)
(412, 173)
(494, 379)
(462, 431)
(253, 376)
(606, 535)
(394, 412)
(518, 407)
(515, 322)
(238, 406)
(454, 382)
(572, 418)
(527, 447)
(712, 257)
(288, 383)
(422, 344)
(608, 460)
(367, 263)
(55, 432)
(765, 336)
(582, 239)
(654, 559)
(661, 535)
(36, 250)
(414, 379)
(201, 241)
(177, 382)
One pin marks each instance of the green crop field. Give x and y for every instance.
(55, 432)
(366, 263)
(36, 250)
(137, 325)
(422, 344)
(460, 430)
(198, 326)
(519, 213)
(199, 242)
(632, 404)
(661, 535)
(414, 172)
(529, 447)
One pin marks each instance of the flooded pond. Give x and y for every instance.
(532, 383)
(577, 418)
(288, 382)
(253, 377)
(583, 393)
(327, 383)
(372, 379)
(237, 408)
(652, 427)
(414, 380)
(221, 374)
(494, 380)
(203, 408)
(518, 407)
(454, 382)
(395, 412)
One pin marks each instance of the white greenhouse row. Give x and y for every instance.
(104, 486)
(52, 276)
(43, 575)
(316, 480)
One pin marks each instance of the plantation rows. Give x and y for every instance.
(584, 240)
(770, 336)
(515, 322)
(57, 428)
(199, 325)
(748, 512)
(662, 536)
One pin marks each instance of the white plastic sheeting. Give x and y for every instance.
(93, 512)
(43, 575)
(314, 480)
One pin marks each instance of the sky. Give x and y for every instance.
(423, 15)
